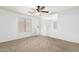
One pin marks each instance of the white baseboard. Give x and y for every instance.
(24, 35)
(15, 38)
(61, 38)
(74, 40)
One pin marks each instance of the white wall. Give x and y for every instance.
(9, 26)
(67, 27)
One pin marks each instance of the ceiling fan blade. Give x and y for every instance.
(42, 7)
(38, 8)
(45, 11)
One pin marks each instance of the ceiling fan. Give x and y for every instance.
(39, 9)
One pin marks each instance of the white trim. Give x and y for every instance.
(15, 38)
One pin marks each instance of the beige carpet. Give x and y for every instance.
(39, 44)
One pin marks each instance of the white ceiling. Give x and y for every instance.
(25, 9)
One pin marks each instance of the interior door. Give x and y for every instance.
(46, 27)
(35, 26)
(49, 27)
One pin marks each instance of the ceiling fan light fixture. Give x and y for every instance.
(38, 13)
